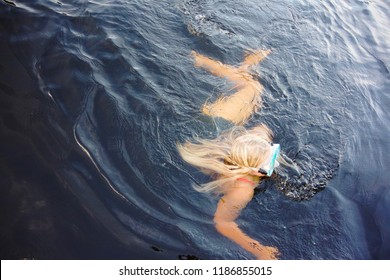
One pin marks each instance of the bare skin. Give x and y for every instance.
(229, 208)
(239, 106)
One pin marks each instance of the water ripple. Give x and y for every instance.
(115, 88)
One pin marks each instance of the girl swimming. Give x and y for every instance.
(238, 158)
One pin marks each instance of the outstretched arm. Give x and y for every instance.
(228, 209)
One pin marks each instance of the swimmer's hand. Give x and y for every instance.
(262, 252)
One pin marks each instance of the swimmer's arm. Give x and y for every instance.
(228, 209)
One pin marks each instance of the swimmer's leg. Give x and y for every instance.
(214, 67)
(254, 58)
(236, 108)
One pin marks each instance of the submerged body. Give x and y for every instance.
(238, 158)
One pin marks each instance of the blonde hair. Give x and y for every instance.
(233, 154)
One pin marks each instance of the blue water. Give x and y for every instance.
(95, 95)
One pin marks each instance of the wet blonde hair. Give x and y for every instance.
(233, 154)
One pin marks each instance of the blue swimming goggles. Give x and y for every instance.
(269, 166)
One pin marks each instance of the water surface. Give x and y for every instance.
(95, 95)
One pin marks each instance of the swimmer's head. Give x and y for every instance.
(255, 154)
(250, 151)
(234, 153)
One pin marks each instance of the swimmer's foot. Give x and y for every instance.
(254, 58)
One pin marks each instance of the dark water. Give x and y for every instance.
(94, 96)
